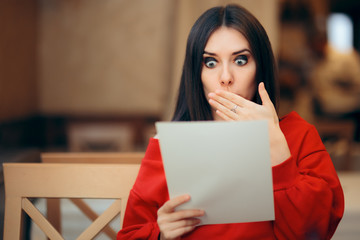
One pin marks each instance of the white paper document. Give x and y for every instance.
(224, 166)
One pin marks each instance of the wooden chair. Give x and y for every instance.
(41, 180)
(92, 157)
(53, 204)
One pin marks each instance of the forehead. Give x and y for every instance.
(226, 39)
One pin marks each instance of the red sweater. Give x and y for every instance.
(308, 197)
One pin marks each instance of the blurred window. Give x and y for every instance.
(340, 32)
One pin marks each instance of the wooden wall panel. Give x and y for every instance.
(104, 57)
(18, 59)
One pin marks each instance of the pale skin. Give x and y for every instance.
(228, 77)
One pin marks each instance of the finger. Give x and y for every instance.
(232, 97)
(223, 116)
(181, 231)
(181, 224)
(266, 101)
(223, 101)
(182, 214)
(170, 205)
(225, 112)
(173, 229)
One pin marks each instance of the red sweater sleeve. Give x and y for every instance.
(140, 221)
(309, 201)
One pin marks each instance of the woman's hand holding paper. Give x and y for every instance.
(173, 224)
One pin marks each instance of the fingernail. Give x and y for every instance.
(211, 94)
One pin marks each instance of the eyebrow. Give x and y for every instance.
(234, 53)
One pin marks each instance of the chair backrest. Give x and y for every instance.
(56, 180)
(53, 204)
(80, 157)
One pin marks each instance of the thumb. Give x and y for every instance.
(266, 101)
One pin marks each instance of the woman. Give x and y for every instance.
(229, 74)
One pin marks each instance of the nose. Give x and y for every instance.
(226, 78)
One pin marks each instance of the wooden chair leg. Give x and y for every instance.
(12, 218)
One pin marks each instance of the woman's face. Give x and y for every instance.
(228, 64)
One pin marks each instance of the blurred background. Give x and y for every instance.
(94, 76)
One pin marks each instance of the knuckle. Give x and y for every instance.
(166, 205)
(161, 220)
(165, 208)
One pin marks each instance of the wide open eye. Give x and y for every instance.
(210, 62)
(241, 60)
